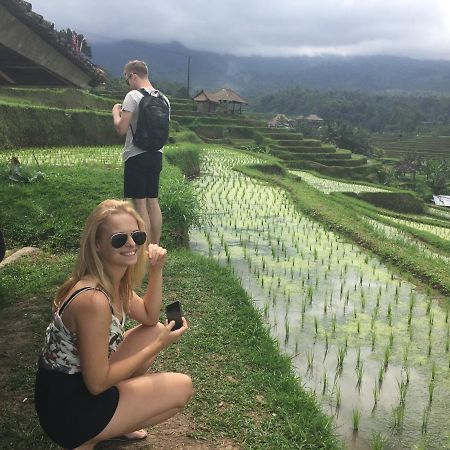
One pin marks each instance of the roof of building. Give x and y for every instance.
(22, 10)
(222, 95)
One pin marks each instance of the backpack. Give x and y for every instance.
(152, 129)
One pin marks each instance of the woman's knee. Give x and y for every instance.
(182, 388)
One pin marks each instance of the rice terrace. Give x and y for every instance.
(308, 238)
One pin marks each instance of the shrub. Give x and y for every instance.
(186, 158)
(187, 136)
(402, 202)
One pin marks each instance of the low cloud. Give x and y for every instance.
(288, 27)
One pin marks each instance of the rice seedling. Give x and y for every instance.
(425, 418)
(430, 392)
(376, 394)
(310, 359)
(356, 418)
(386, 356)
(377, 441)
(359, 375)
(338, 397)
(324, 382)
(398, 414)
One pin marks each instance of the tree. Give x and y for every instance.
(437, 175)
(411, 163)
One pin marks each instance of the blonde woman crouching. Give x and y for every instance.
(92, 382)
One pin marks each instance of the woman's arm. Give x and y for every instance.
(146, 310)
(92, 316)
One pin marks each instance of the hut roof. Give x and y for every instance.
(222, 95)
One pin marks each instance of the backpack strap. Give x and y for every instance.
(145, 93)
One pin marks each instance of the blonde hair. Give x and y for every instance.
(90, 263)
(137, 67)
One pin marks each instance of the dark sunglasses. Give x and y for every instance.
(120, 239)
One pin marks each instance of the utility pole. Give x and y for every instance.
(188, 74)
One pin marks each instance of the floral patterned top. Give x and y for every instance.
(60, 350)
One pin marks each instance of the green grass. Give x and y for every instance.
(227, 351)
(49, 213)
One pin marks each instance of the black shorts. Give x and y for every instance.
(69, 414)
(141, 175)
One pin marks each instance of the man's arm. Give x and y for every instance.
(121, 119)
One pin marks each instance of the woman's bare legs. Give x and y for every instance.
(145, 401)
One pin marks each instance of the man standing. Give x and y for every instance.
(142, 168)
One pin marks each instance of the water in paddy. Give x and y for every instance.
(371, 345)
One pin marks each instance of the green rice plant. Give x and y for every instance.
(286, 330)
(398, 414)
(316, 326)
(381, 372)
(356, 417)
(310, 359)
(358, 359)
(386, 356)
(403, 389)
(425, 418)
(340, 358)
(338, 397)
(373, 338)
(376, 394)
(333, 323)
(433, 371)
(377, 441)
(391, 339)
(324, 382)
(430, 392)
(359, 375)
(326, 346)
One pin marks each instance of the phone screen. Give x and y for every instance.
(174, 312)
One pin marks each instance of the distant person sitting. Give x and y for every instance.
(92, 382)
(142, 167)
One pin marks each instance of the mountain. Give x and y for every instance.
(256, 75)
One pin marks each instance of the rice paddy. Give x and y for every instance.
(442, 232)
(372, 346)
(328, 186)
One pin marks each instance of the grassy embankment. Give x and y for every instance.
(245, 390)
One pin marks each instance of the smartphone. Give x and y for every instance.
(174, 312)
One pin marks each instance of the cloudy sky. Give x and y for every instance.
(414, 28)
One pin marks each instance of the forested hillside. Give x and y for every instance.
(254, 75)
(373, 112)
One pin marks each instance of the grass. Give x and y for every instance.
(227, 351)
(49, 213)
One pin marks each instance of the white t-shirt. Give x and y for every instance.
(131, 103)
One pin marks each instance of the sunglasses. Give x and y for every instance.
(120, 239)
(128, 76)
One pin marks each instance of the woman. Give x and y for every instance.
(92, 382)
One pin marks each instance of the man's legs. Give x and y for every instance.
(149, 210)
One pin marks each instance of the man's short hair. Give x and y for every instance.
(137, 67)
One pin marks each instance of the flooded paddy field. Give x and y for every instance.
(372, 346)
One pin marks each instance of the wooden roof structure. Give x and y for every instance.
(208, 101)
(33, 53)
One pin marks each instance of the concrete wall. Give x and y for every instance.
(18, 37)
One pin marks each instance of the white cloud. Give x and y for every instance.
(287, 27)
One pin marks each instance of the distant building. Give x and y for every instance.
(280, 121)
(224, 99)
(33, 53)
(441, 200)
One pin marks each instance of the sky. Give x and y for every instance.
(413, 28)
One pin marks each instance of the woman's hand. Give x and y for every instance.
(156, 256)
(167, 336)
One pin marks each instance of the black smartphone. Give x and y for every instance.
(174, 312)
